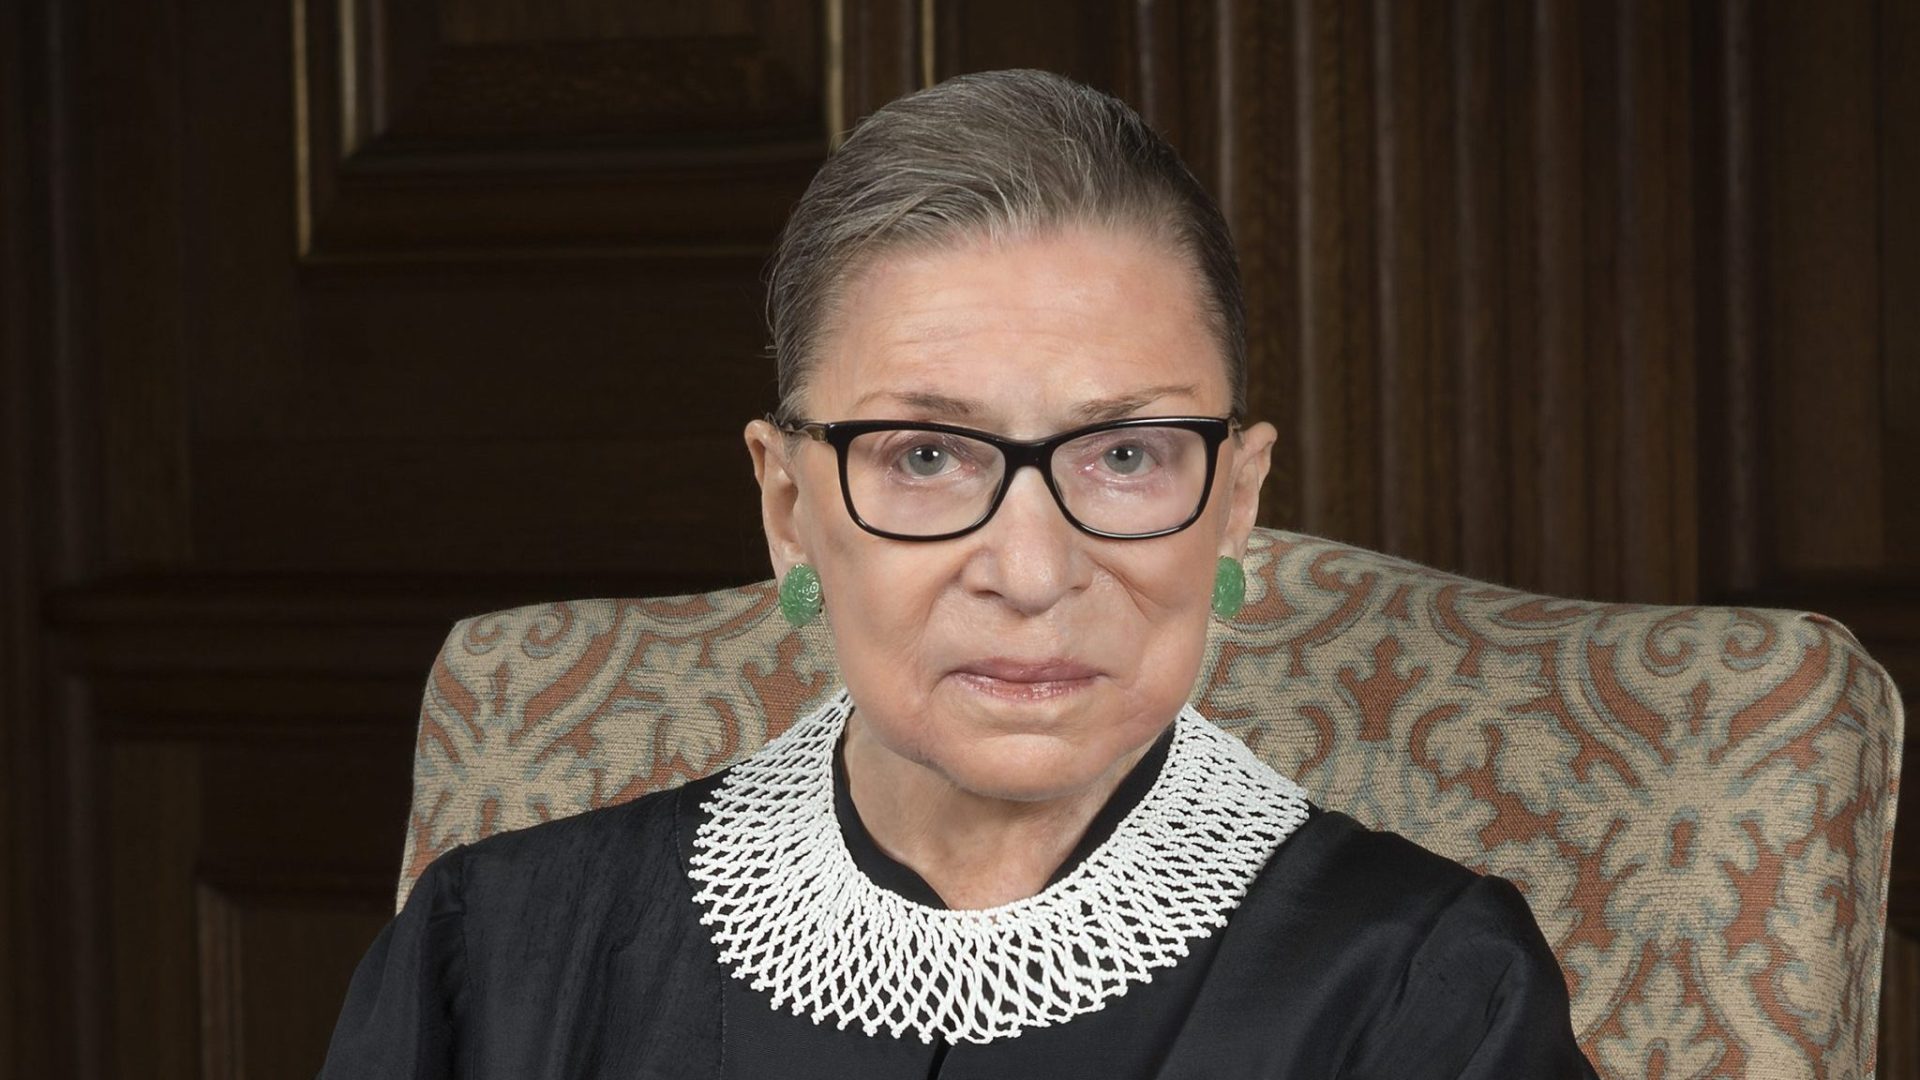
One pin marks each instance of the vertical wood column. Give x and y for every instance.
(1468, 233)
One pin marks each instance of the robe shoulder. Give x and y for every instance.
(1359, 861)
(1462, 983)
(577, 866)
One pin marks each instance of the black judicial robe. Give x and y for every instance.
(574, 950)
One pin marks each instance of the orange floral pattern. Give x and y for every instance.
(1698, 802)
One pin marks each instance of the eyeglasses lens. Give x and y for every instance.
(1124, 481)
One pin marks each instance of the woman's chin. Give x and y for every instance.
(1031, 766)
(1023, 776)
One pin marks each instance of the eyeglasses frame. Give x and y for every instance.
(1018, 454)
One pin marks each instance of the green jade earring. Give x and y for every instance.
(1229, 587)
(800, 599)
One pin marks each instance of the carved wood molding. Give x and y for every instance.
(448, 131)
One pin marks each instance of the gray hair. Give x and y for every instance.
(993, 154)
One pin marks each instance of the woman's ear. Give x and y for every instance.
(1252, 457)
(779, 495)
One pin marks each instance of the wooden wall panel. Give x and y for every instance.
(1485, 200)
(876, 50)
(1482, 327)
(1414, 114)
(1727, 287)
(476, 128)
(1900, 973)
(1091, 40)
(612, 400)
(130, 180)
(1821, 290)
(49, 955)
(1337, 411)
(1657, 497)
(269, 953)
(19, 631)
(248, 761)
(604, 369)
(1900, 1036)
(152, 818)
(1898, 108)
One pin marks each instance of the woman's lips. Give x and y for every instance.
(1026, 680)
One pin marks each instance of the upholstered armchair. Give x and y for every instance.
(1698, 802)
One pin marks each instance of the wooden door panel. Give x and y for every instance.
(270, 961)
(591, 422)
(245, 880)
(475, 129)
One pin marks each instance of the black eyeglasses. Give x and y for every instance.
(1131, 479)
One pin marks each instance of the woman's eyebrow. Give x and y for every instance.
(923, 401)
(1101, 410)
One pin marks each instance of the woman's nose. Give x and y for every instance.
(1031, 555)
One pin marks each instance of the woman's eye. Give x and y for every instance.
(927, 460)
(1126, 459)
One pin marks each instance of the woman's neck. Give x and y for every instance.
(975, 850)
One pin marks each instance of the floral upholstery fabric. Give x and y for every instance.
(1698, 802)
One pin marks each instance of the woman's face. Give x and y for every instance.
(1026, 659)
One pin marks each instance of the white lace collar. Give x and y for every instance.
(795, 918)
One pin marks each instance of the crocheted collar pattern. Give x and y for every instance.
(794, 917)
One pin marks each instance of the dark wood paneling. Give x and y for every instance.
(591, 413)
(461, 129)
(1819, 149)
(1090, 40)
(877, 50)
(1259, 175)
(1897, 121)
(614, 400)
(1900, 1036)
(1336, 414)
(130, 238)
(1731, 390)
(1478, 332)
(153, 815)
(19, 637)
(1900, 979)
(1656, 497)
(49, 957)
(253, 862)
(1414, 112)
(1479, 338)
(274, 943)
(1556, 525)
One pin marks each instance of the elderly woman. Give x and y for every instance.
(1010, 472)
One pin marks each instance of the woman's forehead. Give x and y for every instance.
(1072, 324)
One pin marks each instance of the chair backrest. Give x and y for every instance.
(1698, 802)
